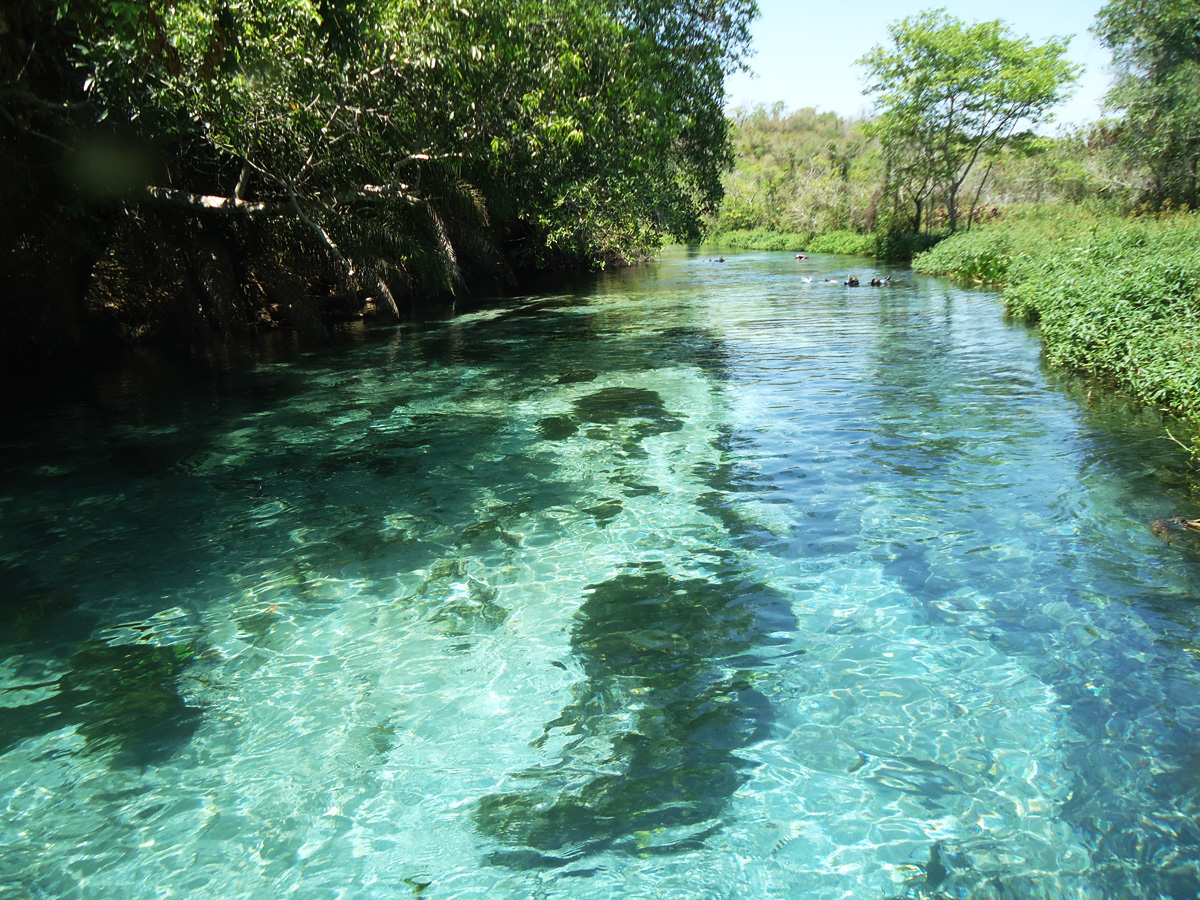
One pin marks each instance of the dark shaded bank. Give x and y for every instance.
(169, 280)
(158, 184)
(191, 299)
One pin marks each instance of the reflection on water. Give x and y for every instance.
(702, 581)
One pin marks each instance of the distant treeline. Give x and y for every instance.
(815, 181)
(950, 142)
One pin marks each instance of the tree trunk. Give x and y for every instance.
(975, 202)
(213, 273)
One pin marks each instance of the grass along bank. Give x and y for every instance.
(1113, 297)
(848, 243)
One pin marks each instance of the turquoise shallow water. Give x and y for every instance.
(699, 581)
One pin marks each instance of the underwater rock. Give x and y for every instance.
(446, 567)
(611, 405)
(557, 428)
(487, 532)
(617, 405)
(33, 611)
(652, 646)
(578, 376)
(471, 608)
(605, 511)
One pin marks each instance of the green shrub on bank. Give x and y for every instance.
(1121, 301)
(848, 243)
(845, 242)
(902, 246)
(981, 255)
(760, 239)
(985, 253)
(1112, 297)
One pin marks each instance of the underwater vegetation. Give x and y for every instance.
(649, 758)
(122, 699)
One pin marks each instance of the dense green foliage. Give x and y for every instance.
(846, 242)
(986, 254)
(759, 239)
(1156, 55)
(949, 94)
(802, 173)
(231, 150)
(1113, 297)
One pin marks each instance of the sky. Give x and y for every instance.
(805, 50)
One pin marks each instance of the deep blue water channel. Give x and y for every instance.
(703, 580)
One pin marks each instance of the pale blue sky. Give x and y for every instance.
(805, 50)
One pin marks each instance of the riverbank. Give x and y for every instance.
(847, 243)
(1113, 297)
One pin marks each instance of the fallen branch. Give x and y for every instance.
(345, 267)
(214, 203)
(368, 193)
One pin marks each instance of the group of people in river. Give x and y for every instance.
(851, 280)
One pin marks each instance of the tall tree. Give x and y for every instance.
(949, 93)
(1156, 51)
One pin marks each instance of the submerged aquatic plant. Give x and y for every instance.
(122, 699)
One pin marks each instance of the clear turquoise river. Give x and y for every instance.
(701, 580)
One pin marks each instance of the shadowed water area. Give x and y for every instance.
(701, 580)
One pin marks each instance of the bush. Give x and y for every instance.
(902, 246)
(760, 239)
(1113, 297)
(1121, 301)
(983, 255)
(848, 243)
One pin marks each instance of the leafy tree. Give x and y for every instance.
(949, 93)
(401, 143)
(1156, 51)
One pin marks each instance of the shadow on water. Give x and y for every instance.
(123, 700)
(649, 744)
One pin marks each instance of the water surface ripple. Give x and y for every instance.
(702, 580)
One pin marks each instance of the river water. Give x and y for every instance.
(702, 580)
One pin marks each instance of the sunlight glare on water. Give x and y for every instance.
(700, 581)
